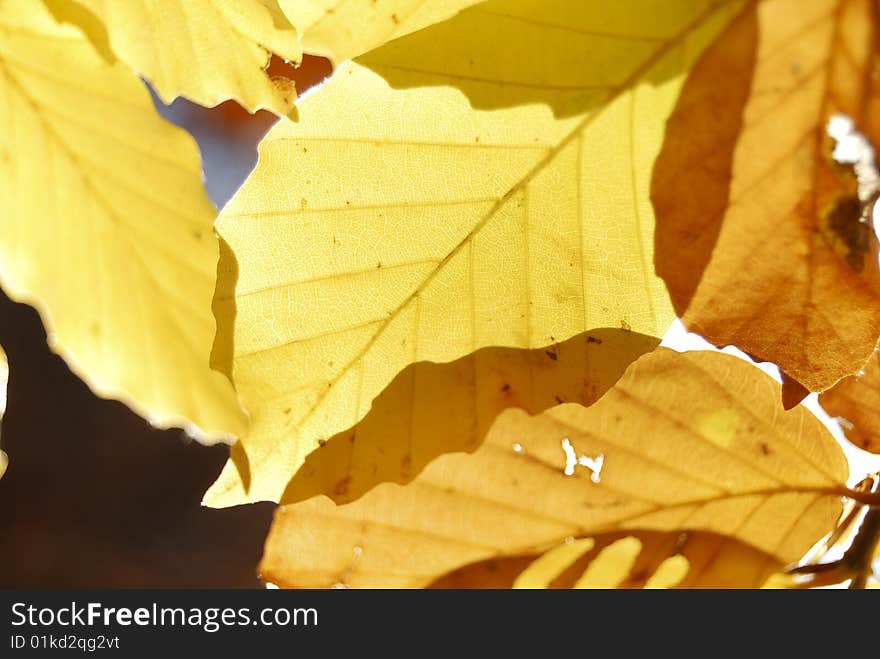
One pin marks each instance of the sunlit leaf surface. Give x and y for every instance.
(763, 237)
(342, 30)
(206, 50)
(105, 226)
(684, 442)
(393, 226)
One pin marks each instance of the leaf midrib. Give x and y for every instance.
(553, 151)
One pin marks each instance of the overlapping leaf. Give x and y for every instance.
(105, 226)
(430, 409)
(394, 226)
(760, 233)
(684, 442)
(346, 29)
(206, 50)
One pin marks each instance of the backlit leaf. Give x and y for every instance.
(856, 399)
(759, 237)
(430, 409)
(395, 226)
(105, 227)
(684, 442)
(342, 30)
(844, 556)
(206, 50)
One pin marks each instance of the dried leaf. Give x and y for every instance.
(684, 442)
(761, 238)
(105, 227)
(206, 50)
(390, 227)
(856, 399)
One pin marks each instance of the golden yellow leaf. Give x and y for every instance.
(390, 227)
(856, 400)
(4, 382)
(684, 442)
(669, 574)
(206, 50)
(105, 227)
(762, 237)
(549, 565)
(612, 564)
(343, 30)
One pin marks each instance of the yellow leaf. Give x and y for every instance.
(669, 573)
(763, 239)
(391, 227)
(105, 226)
(551, 564)
(4, 382)
(612, 564)
(639, 458)
(206, 50)
(343, 30)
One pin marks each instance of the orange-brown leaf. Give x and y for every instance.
(857, 400)
(683, 442)
(758, 236)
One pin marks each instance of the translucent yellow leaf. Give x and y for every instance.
(105, 226)
(4, 382)
(550, 565)
(342, 30)
(684, 442)
(669, 573)
(612, 564)
(206, 50)
(391, 227)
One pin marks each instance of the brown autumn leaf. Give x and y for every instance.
(764, 243)
(856, 399)
(683, 442)
(656, 559)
